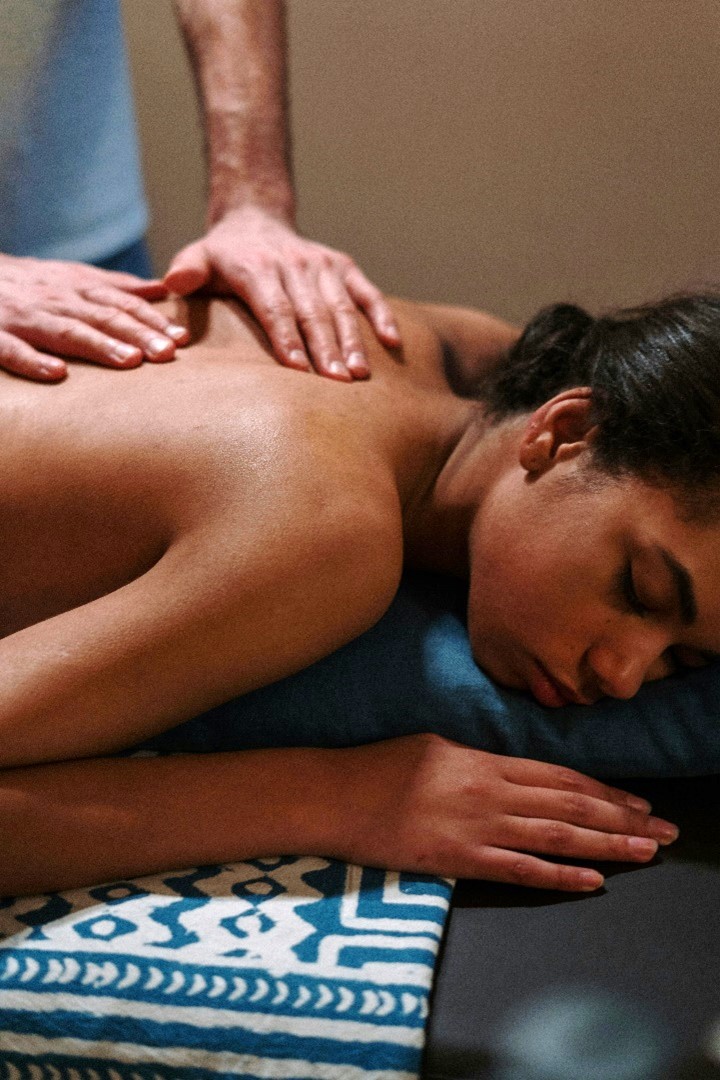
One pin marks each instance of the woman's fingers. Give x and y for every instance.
(554, 837)
(531, 773)
(589, 812)
(517, 868)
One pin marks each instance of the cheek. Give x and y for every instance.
(512, 589)
(535, 590)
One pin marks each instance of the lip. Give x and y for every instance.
(549, 691)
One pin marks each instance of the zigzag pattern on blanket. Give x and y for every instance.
(282, 967)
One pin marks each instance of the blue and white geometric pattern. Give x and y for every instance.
(287, 968)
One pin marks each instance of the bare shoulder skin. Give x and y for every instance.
(188, 532)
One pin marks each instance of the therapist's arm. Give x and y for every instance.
(306, 296)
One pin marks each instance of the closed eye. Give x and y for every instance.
(626, 595)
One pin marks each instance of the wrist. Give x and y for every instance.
(252, 200)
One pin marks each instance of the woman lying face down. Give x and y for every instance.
(187, 534)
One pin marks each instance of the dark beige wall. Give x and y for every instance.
(494, 152)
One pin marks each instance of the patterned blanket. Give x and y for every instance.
(286, 967)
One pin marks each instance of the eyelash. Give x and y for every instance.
(630, 599)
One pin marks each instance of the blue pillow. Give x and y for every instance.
(414, 672)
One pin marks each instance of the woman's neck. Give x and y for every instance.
(438, 520)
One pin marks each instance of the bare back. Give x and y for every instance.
(220, 515)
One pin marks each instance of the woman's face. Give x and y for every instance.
(580, 591)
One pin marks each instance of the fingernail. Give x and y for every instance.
(590, 880)
(638, 804)
(157, 345)
(297, 356)
(357, 362)
(667, 834)
(124, 352)
(642, 846)
(52, 368)
(177, 333)
(336, 368)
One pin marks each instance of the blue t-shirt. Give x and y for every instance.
(70, 183)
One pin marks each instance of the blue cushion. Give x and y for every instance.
(414, 672)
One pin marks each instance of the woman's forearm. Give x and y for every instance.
(83, 822)
(417, 803)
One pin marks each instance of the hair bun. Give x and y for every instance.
(545, 360)
(555, 333)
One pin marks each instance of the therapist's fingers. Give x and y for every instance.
(368, 297)
(190, 270)
(73, 338)
(19, 358)
(135, 286)
(266, 296)
(315, 321)
(344, 313)
(130, 319)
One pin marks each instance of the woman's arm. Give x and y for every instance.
(419, 803)
(256, 592)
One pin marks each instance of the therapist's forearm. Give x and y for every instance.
(83, 822)
(238, 55)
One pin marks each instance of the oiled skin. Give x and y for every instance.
(206, 526)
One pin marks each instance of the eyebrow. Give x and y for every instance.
(684, 587)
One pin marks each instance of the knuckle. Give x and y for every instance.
(312, 313)
(93, 293)
(114, 320)
(556, 834)
(65, 334)
(520, 872)
(570, 779)
(276, 309)
(343, 262)
(575, 807)
(344, 306)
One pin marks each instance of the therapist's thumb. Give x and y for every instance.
(189, 270)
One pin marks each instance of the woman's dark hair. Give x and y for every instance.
(655, 376)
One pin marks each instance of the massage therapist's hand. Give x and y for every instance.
(426, 804)
(51, 309)
(306, 296)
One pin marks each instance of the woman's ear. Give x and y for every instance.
(559, 430)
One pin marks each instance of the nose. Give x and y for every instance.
(619, 667)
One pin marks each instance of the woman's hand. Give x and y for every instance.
(423, 803)
(73, 310)
(305, 296)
